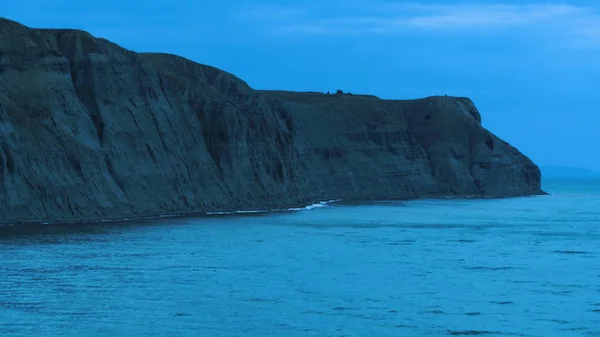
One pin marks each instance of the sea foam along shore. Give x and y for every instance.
(312, 206)
(183, 215)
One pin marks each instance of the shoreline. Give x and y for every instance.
(166, 216)
(318, 204)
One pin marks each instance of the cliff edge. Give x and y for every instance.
(89, 131)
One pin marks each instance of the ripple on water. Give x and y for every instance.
(572, 252)
(459, 268)
(472, 332)
(502, 302)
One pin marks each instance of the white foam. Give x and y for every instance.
(241, 212)
(317, 205)
(309, 207)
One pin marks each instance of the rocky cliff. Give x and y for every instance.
(89, 130)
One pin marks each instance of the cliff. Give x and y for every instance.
(89, 130)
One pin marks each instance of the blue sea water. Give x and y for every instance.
(504, 267)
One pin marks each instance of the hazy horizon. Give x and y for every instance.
(568, 172)
(530, 68)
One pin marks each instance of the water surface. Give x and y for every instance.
(513, 267)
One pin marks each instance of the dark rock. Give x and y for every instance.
(90, 131)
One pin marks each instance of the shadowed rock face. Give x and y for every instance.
(89, 130)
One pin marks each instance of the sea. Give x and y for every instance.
(442, 267)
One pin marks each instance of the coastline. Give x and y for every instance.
(247, 212)
(128, 136)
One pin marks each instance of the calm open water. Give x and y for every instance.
(514, 267)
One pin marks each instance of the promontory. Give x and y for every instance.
(92, 131)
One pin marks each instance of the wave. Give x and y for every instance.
(317, 205)
(293, 209)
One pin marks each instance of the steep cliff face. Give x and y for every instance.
(89, 130)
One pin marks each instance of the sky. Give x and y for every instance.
(532, 68)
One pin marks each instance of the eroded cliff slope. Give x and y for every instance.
(89, 130)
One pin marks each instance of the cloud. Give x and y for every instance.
(568, 21)
(483, 16)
